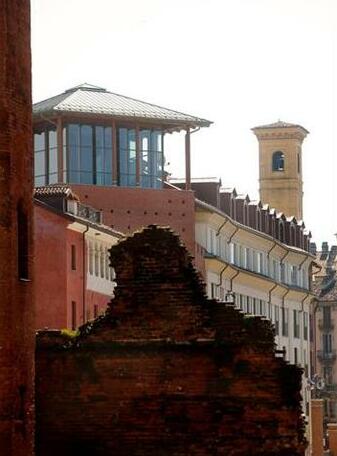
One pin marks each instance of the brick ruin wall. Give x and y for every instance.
(16, 298)
(166, 371)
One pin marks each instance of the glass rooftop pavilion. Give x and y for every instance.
(88, 135)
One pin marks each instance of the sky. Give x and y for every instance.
(238, 63)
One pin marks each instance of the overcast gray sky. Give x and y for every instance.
(239, 63)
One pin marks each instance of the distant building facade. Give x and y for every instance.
(325, 340)
(262, 259)
(74, 278)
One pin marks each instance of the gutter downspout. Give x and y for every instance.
(270, 292)
(231, 281)
(283, 297)
(268, 258)
(228, 242)
(221, 273)
(233, 234)
(301, 339)
(84, 270)
(221, 226)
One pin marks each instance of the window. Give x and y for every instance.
(298, 163)
(254, 311)
(327, 374)
(96, 261)
(91, 258)
(87, 155)
(236, 254)
(248, 258)
(22, 243)
(278, 161)
(295, 356)
(327, 317)
(296, 316)
(231, 252)
(244, 303)
(107, 263)
(277, 320)
(285, 319)
(282, 268)
(102, 261)
(248, 304)
(305, 325)
(73, 257)
(214, 291)
(95, 310)
(327, 343)
(260, 263)
(293, 274)
(151, 157)
(45, 157)
(73, 315)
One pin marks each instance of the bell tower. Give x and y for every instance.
(16, 212)
(280, 163)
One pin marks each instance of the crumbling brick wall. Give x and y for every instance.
(17, 333)
(166, 371)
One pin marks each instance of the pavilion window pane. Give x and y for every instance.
(40, 168)
(145, 136)
(74, 164)
(65, 155)
(39, 141)
(74, 135)
(127, 157)
(39, 159)
(86, 160)
(103, 156)
(52, 162)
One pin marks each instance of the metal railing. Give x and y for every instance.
(83, 211)
(326, 325)
(326, 356)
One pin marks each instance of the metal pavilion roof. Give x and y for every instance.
(89, 99)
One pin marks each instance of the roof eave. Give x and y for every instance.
(170, 124)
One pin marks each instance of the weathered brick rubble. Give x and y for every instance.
(166, 371)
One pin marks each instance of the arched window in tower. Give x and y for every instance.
(278, 161)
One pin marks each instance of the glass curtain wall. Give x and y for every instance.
(45, 157)
(151, 158)
(88, 154)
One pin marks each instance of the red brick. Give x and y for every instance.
(166, 371)
(16, 302)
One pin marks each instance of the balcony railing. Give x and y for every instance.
(330, 387)
(83, 211)
(326, 356)
(326, 325)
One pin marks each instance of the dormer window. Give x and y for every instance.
(278, 161)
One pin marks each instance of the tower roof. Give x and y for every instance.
(94, 100)
(279, 124)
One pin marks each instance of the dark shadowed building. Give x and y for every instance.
(16, 289)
